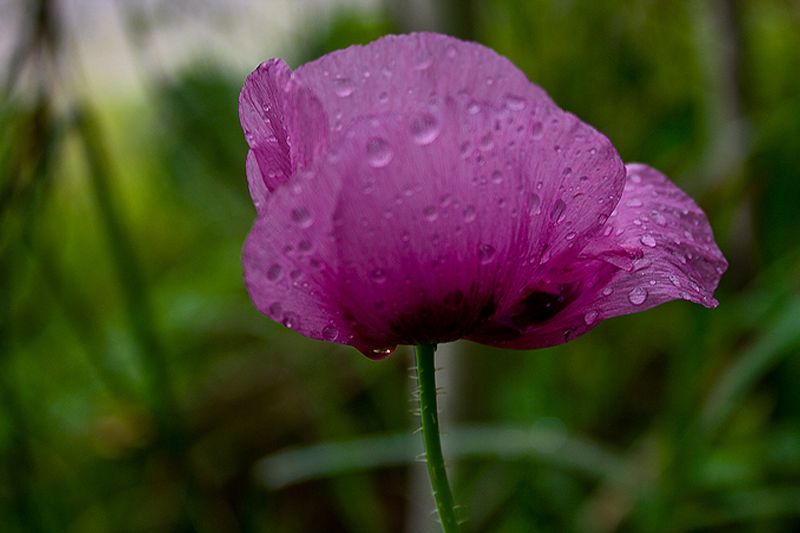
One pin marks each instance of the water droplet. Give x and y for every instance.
(658, 218)
(470, 213)
(383, 97)
(344, 87)
(379, 153)
(571, 235)
(634, 202)
(486, 253)
(430, 213)
(290, 320)
(497, 177)
(536, 130)
(607, 291)
(590, 317)
(637, 296)
(534, 204)
(275, 310)
(636, 178)
(648, 240)
(274, 272)
(378, 275)
(514, 102)
(302, 217)
(451, 51)
(330, 333)
(558, 214)
(487, 143)
(382, 352)
(675, 280)
(425, 128)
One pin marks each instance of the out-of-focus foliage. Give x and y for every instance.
(141, 391)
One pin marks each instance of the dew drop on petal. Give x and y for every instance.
(344, 87)
(290, 320)
(590, 317)
(379, 153)
(648, 241)
(607, 291)
(675, 280)
(275, 310)
(558, 214)
(330, 333)
(497, 177)
(302, 217)
(536, 130)
(430, 213)
(382, 352)
(378, 275)
(634, 202)
(274, 272)
(534, 204)
(637, 296)
(571, 235)
(470, 213)
(514, 102)
(425, 129)
(486, 253)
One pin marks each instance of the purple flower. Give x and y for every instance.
(420, 189)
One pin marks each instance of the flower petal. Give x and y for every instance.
(284, 125)
(397, 73)
(444, 209)
(671, 254)
(289, 262)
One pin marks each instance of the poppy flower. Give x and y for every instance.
(420, 189)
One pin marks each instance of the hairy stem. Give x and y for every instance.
(430, 433)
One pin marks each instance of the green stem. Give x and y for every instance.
(430, 433)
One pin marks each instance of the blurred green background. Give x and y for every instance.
(141, 391)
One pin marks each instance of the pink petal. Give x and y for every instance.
(284, 125)
(672, 256)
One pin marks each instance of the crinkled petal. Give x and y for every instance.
(668, 253)
(284, 125)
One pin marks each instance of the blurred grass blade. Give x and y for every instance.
(781, 338)
(550, 446)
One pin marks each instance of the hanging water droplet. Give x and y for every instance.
(290, 320)
(382, 352)
(379, 153)
(344, 86)
(558, 214)
(590, 317)
(274, 272)
(425, 128)
(637, 295)
(330, 333)
(470, 213)
(302, 217)
(486, 253)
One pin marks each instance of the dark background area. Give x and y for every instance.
(140, 390)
